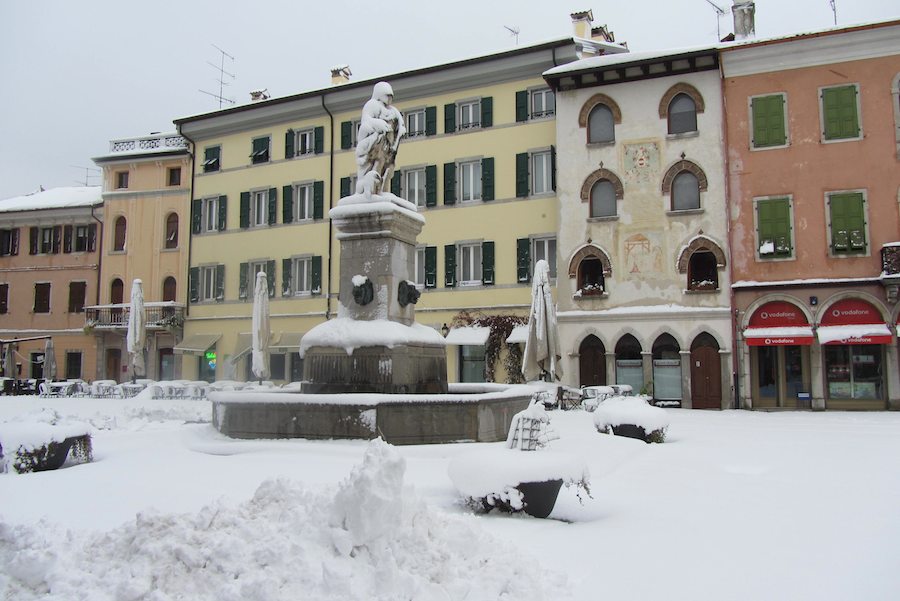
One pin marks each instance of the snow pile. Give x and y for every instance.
(350, 334)
(369, 541)
(34, 430)
(633, 410)
(493, 470)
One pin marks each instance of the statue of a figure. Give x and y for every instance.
(380, 130)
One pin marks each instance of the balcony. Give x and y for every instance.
(145, 144)
(163, 315)
(890, 270)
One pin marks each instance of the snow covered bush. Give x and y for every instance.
(632, 416)
(42, 441)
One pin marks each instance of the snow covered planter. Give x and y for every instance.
(512, 480)
(41, 442)
(633, 417)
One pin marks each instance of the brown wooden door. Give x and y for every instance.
(706, 378)
(592, 362)
(113, 363)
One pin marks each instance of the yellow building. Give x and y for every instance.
(478, 161)
(146, 207)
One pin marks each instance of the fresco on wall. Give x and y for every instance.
(642, 163)
(643, 255)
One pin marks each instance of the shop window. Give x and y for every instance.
(666, 369)
(854, 372)
(630, 363)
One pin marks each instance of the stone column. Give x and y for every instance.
(687, 400)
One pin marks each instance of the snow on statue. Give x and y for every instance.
(380, 130)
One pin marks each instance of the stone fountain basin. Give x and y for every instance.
(467, 413)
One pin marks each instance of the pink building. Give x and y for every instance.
(813, 139)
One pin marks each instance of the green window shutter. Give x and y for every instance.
(287, 204)
(523, 260)
(57, 238)
(316, 274)
(768, 121)
(450, 265)
(244, 280)
(345, 187)
(774, 221)
(220, 282)
(196, 216)
(273, 206)
(487, 111)
(270, 276)
(318, 199)
(449, 183)
(522, 175)
(286, 275)
(839, 108)
(245, 210)
(395, 184)
(346, 134)
(430, 266)
(521, 106)
(223, 213)
(92, 239)
(487, 263)
(194, 284)
(487, 178)
(848, 223)
(289, 144)
(430, 120)
(449, 118)
(67, 240)
(431, 185)
(319, 140)
(14, 243)
(553, 168)
(33, 234)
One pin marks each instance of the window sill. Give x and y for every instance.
(609, 143)
(547, 117)
(590, 296)
(170, 250)
(684, 135)
(825, 140)
(685, 212)
(118, 252)
(702, 291)
(603, 219)
(772, 147)
(773, 257)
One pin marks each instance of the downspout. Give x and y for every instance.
(187, 289)
(99, 254)
(330, 205)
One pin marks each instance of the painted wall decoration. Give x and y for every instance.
(642, 163)
(643, 255)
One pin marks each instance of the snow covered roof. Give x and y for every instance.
(875, 333)
(55, 198)
(468, 336)
(518, 335)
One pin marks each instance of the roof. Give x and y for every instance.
(55, 198)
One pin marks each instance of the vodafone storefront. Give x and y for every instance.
(779, 337)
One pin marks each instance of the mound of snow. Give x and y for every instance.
(634, 410)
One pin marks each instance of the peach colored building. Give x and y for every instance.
(49, 262)
(812, 131)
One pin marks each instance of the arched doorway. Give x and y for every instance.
(592, 362)
(629, 363)
(667, 369)
(116, 297)
(706, 373)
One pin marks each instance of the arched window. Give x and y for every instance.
(685, 192)
(119, 234)
(172, 231)
(601, 125)
(666, 369)
(169, 289)
(629, 363)
(703, 272)
(682, 114)
(590, 277)
(603, 199)
(116, 297)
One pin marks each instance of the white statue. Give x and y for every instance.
(380, 130)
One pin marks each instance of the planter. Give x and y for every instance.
(632, 417)
(636, 432)
(538, 498)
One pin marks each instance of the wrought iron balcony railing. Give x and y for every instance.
(159, 315)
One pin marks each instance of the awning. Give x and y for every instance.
(782, 336)
(196, 344)
(518, 335)
(243, 346)
(288, 342)
(875, 333)
(468, 336)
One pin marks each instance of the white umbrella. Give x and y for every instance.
(137, 330)
(260, 328)
(542, 354)
(9, 362)
(49, 360)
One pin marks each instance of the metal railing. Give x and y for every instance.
(158, 141)
(159, 315)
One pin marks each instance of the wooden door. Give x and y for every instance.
(113, 363)
(706, 378)
(592, 362)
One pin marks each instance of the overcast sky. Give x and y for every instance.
(75, 74)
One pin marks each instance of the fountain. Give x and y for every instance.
(373, 371)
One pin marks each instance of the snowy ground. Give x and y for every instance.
(735, 505)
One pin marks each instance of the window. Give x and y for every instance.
(83, 239)
(840, 113)
(77, 294)
(415, 123)
(590, 277)
(426, 266)
(543, 103)
(212, 214)
(469, 114)
(304, 142)
(9, 242)
(847, 216)
(541, 173)
(4, 298)
(685, 192)
(703, 272)
(348, 186)
(169, 288)
(601, 125)
(116, 292)
(419, 268)
(768, 117)
(471, 363)
(276, 366)
(210, 284)
(258, 207)
(42, 297)
(854, 371)
(470, 180)
(121, 180)
(119, 234)
(349, 133)
(682, 114)
(773, 228)
(470, 264)
(544, 249)
(414, 186)
(303, 202)
(73, 365)
(247, 278)
(45, 240)
(260, 150)
(211, 159)
(172, 231)
(174, 176)
(603, 199)
(302, 276)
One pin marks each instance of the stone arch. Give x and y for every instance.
(586, 251)
(590, 331)
(663, 330)
(596, 176)
(680, 88)
(683, 165)
(593, 101)
(704, 329)
(700, 242)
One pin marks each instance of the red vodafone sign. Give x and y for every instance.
(778, 323)
(851, 311)
(853, 321)
(778, 314)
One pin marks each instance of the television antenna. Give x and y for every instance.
(720, 12)
(834, 10)
(222, 74)
(515, 31)
(87, 174)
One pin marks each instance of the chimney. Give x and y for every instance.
(259, 95)
(340, 74)
(581, 22)
(744, 19)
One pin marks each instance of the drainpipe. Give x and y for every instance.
(187, 289)
(99, 254)
(330, 206)
(735, 329)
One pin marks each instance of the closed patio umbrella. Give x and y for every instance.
(49, 360)
(260, 328)
(9, 361)
(137, 330)
(542, 355)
